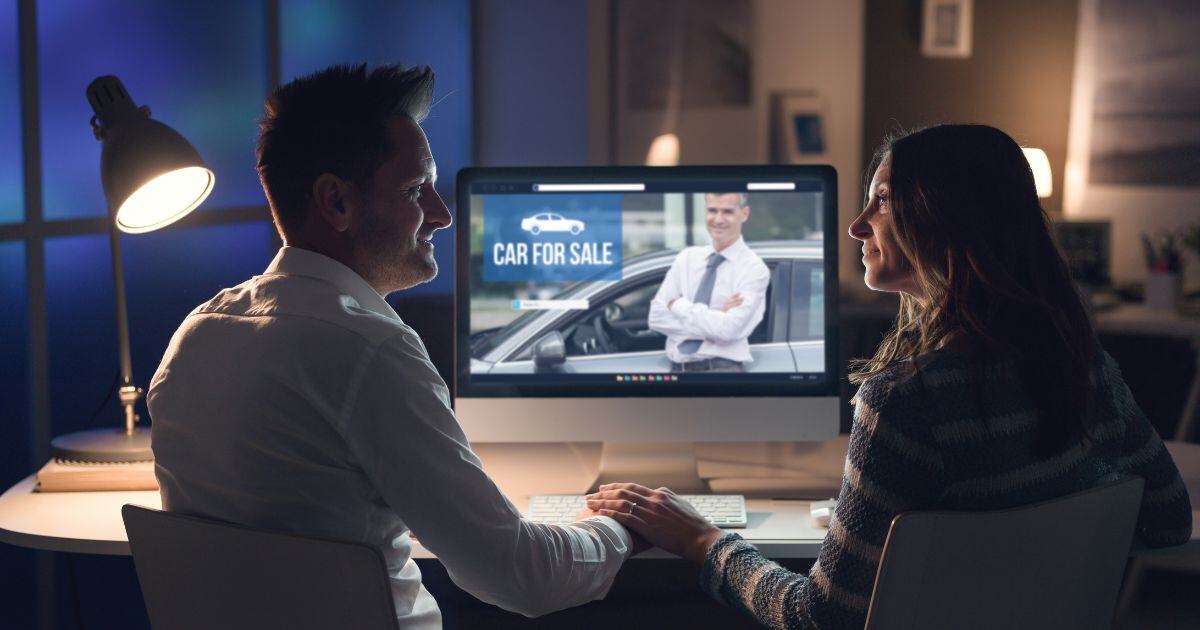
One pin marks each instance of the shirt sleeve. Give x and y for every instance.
(892, 466)
(1165, 516)
(699, 320)
(401, 429)
(661, 318)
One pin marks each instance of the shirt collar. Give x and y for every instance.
(296, 261)
(733, 252)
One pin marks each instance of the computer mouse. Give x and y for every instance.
(821, 511)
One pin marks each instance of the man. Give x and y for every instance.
(714, 295)
(299, 401)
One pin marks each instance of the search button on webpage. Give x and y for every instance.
(550, 305)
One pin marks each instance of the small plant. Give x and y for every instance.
(1166, 256)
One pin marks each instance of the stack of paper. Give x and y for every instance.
(70, 476)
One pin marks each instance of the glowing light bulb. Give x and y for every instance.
(664, 151)
(1040, 165)
(165, 199)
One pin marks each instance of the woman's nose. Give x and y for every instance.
(859, 228)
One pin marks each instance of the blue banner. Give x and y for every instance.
(551, 237)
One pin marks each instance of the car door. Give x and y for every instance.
(806, 326)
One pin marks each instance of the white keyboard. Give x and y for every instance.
(722, 510)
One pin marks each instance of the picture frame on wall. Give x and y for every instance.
(946, 28)
(799, 128)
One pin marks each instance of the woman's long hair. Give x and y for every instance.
(967, 218)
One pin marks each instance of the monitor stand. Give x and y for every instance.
(651, 464)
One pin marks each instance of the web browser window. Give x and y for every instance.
(652, 282)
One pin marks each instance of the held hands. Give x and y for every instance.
(659, 516)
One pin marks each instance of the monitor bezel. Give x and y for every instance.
(468, 177)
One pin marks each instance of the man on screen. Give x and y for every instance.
(714, 295)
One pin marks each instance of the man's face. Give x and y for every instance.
(724, 215)
(401, 211)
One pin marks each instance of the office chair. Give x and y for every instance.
(198, 573)
(1055, 564)
(1187, 459)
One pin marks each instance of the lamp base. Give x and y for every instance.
(103, 445)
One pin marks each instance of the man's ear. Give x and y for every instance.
(329, 193)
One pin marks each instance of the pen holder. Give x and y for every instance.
(1163, 290)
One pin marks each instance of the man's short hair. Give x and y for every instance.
(332, 121)
(743, 198)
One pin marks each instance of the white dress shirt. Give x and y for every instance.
(300, 401)
(725, 334)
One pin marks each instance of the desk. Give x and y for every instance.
(1136, 319)
(90, 522)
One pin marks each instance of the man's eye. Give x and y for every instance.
(415, 192)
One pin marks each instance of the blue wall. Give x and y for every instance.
(202, 68)
(532, 83)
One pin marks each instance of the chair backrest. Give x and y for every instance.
(199, 573)
(1055, 564)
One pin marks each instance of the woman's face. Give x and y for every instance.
(887, 268)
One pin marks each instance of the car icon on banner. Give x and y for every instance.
(551, 222)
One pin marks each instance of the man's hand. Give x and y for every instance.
(639, 544)
(733, 302)
(659, 516)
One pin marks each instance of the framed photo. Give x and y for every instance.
(798, 128)
(946, 28)
(1086, 246)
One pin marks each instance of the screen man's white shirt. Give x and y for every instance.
(299, 401)
(725, 334)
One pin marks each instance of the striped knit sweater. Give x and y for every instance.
(946, 432)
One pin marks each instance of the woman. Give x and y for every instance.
(991, 391)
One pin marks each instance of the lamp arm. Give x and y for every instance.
(127, 392)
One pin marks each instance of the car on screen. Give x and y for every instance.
(611, 335)
(551, 222)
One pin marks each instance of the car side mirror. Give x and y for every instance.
(549, 352)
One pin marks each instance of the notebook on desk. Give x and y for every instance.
(70, 476)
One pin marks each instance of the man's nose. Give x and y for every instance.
(437, 213)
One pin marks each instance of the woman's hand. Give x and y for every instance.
(659, 516)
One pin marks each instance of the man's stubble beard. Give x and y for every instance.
(392, 264)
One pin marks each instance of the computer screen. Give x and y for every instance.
(644, 283)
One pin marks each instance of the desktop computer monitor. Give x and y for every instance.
(582, 311)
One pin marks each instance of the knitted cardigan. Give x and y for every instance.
(947, 432)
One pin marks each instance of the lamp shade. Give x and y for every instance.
(152, 176)
(1040, 165)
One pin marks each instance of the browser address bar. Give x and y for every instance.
(589, 187)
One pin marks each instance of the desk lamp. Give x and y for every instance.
(152, 178)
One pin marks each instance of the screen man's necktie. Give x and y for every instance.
(703, 295)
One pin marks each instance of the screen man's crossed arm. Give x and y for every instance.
(672, 313)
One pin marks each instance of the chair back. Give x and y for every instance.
(198, 573)
(1055, 564)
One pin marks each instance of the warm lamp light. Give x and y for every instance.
(1040, 165)
(152, 177)
(664, 151)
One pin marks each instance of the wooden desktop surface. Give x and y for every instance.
(778, 479)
